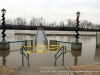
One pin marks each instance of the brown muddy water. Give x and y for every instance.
(88, 54)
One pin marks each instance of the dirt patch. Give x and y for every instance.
(91, 69)
(5, 70)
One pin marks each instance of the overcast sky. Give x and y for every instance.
(52, 10)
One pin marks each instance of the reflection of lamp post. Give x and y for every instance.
(3, 25)
(77, 28)
(4, 54)
(76, 54)
(4, 60)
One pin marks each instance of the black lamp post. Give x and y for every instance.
(77, 26)
(3, 25)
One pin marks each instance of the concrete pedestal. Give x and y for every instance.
(4, 45)
(76, 46)
(52, 42)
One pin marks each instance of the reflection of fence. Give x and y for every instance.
(9, 36)
(97, 39)
(96, 58)
(14, 45)
(97, 55)
(66, 44)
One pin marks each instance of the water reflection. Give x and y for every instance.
(76, 54)
(4, 54)
(97, 55)
(85, 38)
(85, 56)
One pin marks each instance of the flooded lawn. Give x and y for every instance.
(88, 54)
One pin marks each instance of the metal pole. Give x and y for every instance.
(77, 28)
(4, 28)
(28, 60)
(63, 57)
(22, 58)
(55, 59)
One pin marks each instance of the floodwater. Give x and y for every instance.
(89, 53)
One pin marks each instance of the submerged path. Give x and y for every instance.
(45, 70)
(82, 33)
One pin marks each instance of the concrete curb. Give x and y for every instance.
(17, 71)
(71, 73)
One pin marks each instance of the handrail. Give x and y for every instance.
(21, 51)
(44, 34)
(64, 42)
(23, 54)
(59, 50)
(40, 46)
(17, 41)
(63, 52)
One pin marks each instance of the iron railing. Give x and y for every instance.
(22, 49)
(63, 51)
(63, 42)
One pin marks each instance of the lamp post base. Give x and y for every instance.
(76, 46)
(3, 40)
(77, 41)
(4, 45)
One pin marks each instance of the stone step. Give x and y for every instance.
(44, 70)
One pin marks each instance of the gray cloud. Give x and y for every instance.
(52, 10)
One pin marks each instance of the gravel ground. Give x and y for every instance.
(91, 69)
(6, 70)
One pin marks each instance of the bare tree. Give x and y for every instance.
(55, 23)
(20, 21)
(33, 21)
(69, 22)
(73, 23)
(61, 23)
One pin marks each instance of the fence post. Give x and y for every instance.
(22, 57)
(28, 60)
(63, 57)
(55, 59)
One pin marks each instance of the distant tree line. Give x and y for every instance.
(21, 24)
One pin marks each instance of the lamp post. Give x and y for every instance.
(77, 26)
(3, 11)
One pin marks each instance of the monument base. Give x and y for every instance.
(98, 45)
(4, 45)
(52, 42)
(76, 46)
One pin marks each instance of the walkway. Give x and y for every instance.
(45, 70)
(40, 39)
